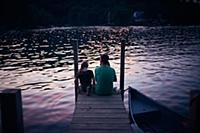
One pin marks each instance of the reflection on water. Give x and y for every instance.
(162, 62)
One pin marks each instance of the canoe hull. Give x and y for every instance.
(153, 117)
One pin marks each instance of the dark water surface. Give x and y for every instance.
(162, 62)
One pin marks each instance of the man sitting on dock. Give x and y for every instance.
(105, 76)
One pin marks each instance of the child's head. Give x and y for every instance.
(84, 65)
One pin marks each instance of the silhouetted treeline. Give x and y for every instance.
(23, 13)
(182, 12)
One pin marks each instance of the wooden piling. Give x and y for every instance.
(195, 111)
(122, 63)
(11, 111)
(75, 48)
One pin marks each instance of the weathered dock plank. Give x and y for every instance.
(100, 114)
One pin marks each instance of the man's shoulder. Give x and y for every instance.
(97, 68)
(112, 69)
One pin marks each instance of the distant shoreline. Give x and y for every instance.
(58, 27)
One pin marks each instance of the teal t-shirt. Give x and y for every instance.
(104, 75)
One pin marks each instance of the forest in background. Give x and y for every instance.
(45, 13)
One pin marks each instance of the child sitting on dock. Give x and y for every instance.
(86, 78)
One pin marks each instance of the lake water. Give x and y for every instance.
(161, 62)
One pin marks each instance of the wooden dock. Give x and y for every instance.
(100, 114)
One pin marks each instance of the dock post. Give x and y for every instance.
(11, 111)
(122, 63)
(75, 48)
(195, 111)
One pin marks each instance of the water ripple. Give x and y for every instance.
(162, 62)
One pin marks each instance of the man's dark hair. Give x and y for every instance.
(104, 59)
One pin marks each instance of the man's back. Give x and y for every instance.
(104, 75)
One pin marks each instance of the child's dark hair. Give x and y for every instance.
(84, 65)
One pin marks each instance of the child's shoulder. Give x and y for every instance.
(90, 71)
